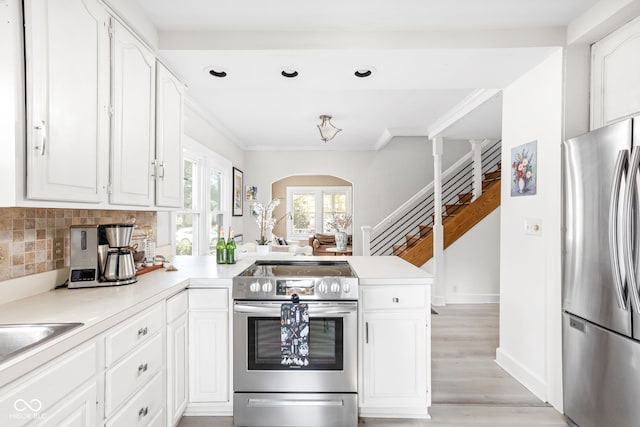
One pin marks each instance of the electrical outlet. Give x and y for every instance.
(58, 248)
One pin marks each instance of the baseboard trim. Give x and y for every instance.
(527, 378)
(209, 409)
(418, 412)
(473, 299)
(438, 300)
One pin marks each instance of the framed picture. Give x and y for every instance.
(251, 193)
(524, 165)
(237, 192)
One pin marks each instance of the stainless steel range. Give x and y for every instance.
(270, 393)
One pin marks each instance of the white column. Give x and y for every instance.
(476, 156)
(366, 240)
(438, 235)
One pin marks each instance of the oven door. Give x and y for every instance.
(332, 349)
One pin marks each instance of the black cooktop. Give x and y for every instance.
(280, 268)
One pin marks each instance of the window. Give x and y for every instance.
(206, 200)
(313, 207)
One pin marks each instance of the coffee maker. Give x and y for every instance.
(100, 255)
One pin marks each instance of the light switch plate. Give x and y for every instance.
(533, 226)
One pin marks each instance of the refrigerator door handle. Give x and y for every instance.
(621, 166)
(628, 224)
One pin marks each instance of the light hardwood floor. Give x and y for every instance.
(469, 388)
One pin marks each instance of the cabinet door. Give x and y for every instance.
(169, 103)
(67, 74)
(208, 361)
(395, 359)
(177, 374)
(615, 67)
(133, 121)
(77, 411)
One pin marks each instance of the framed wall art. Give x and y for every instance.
(237, 192)
(524, 173)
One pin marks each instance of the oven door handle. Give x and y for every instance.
(275, 309)
(274, 403)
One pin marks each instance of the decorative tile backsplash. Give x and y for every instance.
(35, 240)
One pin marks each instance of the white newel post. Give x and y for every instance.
(438, 235)
(366, 240)
(476, 157)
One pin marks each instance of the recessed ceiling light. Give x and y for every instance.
(215, 73)
(363, 72)
(289, 73)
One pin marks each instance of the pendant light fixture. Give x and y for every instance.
(327, 130)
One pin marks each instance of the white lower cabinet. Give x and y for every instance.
(209, 350)
(142, 407)
(134, 377)
(177, 356)
(62, 392)
(395, 351)
(76, 411)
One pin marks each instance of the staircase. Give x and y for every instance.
(408, 232)
(457, 219)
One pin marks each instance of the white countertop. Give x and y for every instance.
(101, 308)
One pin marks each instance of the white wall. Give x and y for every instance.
(530, 266)
(471, 270)
(382, 180)
(202, 131)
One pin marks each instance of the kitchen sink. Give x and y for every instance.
(17, 338)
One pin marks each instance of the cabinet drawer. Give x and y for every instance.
(210, 299)
(177, 305)
(132, 332)
(131, 372)
(394, 297)
(45, 387)
(142, 408)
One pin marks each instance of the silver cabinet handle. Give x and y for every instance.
(628, 224)
(620, 168)
(143, 411)
(143, 368)
(142, 331)
(42, 128)
(161, 174)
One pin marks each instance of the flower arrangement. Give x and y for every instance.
(264, 218)
(522, 167)
(340, 221)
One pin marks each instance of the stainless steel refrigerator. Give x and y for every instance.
(600, 299)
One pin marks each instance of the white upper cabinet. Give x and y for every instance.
(133, 120)
(169, 102)
(67, 76)
(615, 76)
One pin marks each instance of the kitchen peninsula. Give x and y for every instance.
(123, 325)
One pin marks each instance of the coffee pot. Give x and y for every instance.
(118, 265)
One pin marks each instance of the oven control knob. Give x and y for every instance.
(254, 287)
(346, 288)
(267, 287)
(335, 287)
(322, 287)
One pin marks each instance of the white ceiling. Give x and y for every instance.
(409, 92)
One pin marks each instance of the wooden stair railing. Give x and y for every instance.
(457, 219)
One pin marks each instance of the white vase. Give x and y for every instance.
(341, 240)
(262, 249)
(521, 185)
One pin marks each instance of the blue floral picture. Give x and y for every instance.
(524, 163)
